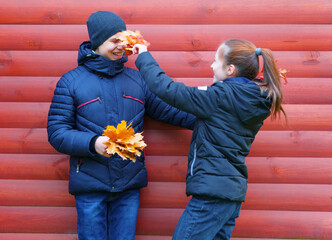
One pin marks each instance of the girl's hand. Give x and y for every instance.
(100, 147)
(139, 48)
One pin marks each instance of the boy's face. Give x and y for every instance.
(111, 48)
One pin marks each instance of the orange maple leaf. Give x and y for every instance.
(282, 73)
(129, 39)
(123, 141)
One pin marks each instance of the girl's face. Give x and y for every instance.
(111, 48)
(219, 69)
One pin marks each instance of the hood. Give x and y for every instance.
(98, 63)
(251, 104)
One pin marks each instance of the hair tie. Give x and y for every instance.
(258, 51)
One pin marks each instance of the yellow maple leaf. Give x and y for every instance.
(123, 141)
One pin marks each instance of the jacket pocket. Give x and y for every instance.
(192, 164)
(88, 102)
(132, 98)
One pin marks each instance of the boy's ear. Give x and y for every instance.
(231, 70)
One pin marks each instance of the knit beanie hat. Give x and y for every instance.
(102, 25)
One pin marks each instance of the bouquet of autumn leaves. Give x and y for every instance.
(124, 141)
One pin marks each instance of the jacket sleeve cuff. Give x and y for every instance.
(92, 144)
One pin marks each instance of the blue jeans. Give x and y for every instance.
(207, 218)
(113, 215)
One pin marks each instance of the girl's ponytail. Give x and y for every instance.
(272, 82)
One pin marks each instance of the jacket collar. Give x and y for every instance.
(239, 79)
(98, 63)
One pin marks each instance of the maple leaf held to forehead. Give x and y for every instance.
(124, 141)
(129, 39)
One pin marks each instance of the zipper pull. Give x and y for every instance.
(98, 98)
(79, 161)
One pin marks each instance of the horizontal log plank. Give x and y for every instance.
(284, 142)
(261, 170)
(193, 64)
(38, 220)
(20, 114)
(251, 223)
(266, 144)
(287, 37)
(38, 236)
(40, 89)
(34, 166)
(291, 197)
(35, 193)
(300, 117)
(184, 12)
(157, 221)
(146, 237)
(307, 91)
(296, 90)
(34, 236)
(27, 89)
(173, 168)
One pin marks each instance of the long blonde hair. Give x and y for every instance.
(242, 54)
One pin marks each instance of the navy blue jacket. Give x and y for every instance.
(229, 114)
(97, 93)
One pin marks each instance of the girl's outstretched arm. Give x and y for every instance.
(198, 101)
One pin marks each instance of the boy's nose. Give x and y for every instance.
(120, 46)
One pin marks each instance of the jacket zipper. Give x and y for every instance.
(93, 100)
(79, 162)
(136, 99)
(192, 164)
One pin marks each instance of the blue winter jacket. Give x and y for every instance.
(229, 115)
(97, 93)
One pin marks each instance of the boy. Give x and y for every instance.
(101, 91)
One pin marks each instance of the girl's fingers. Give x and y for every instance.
(135, 49)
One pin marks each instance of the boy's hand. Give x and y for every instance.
(100, 147)
(139, 48)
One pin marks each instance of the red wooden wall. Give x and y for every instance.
(290, 167)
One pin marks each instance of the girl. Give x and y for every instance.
(229, 114)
